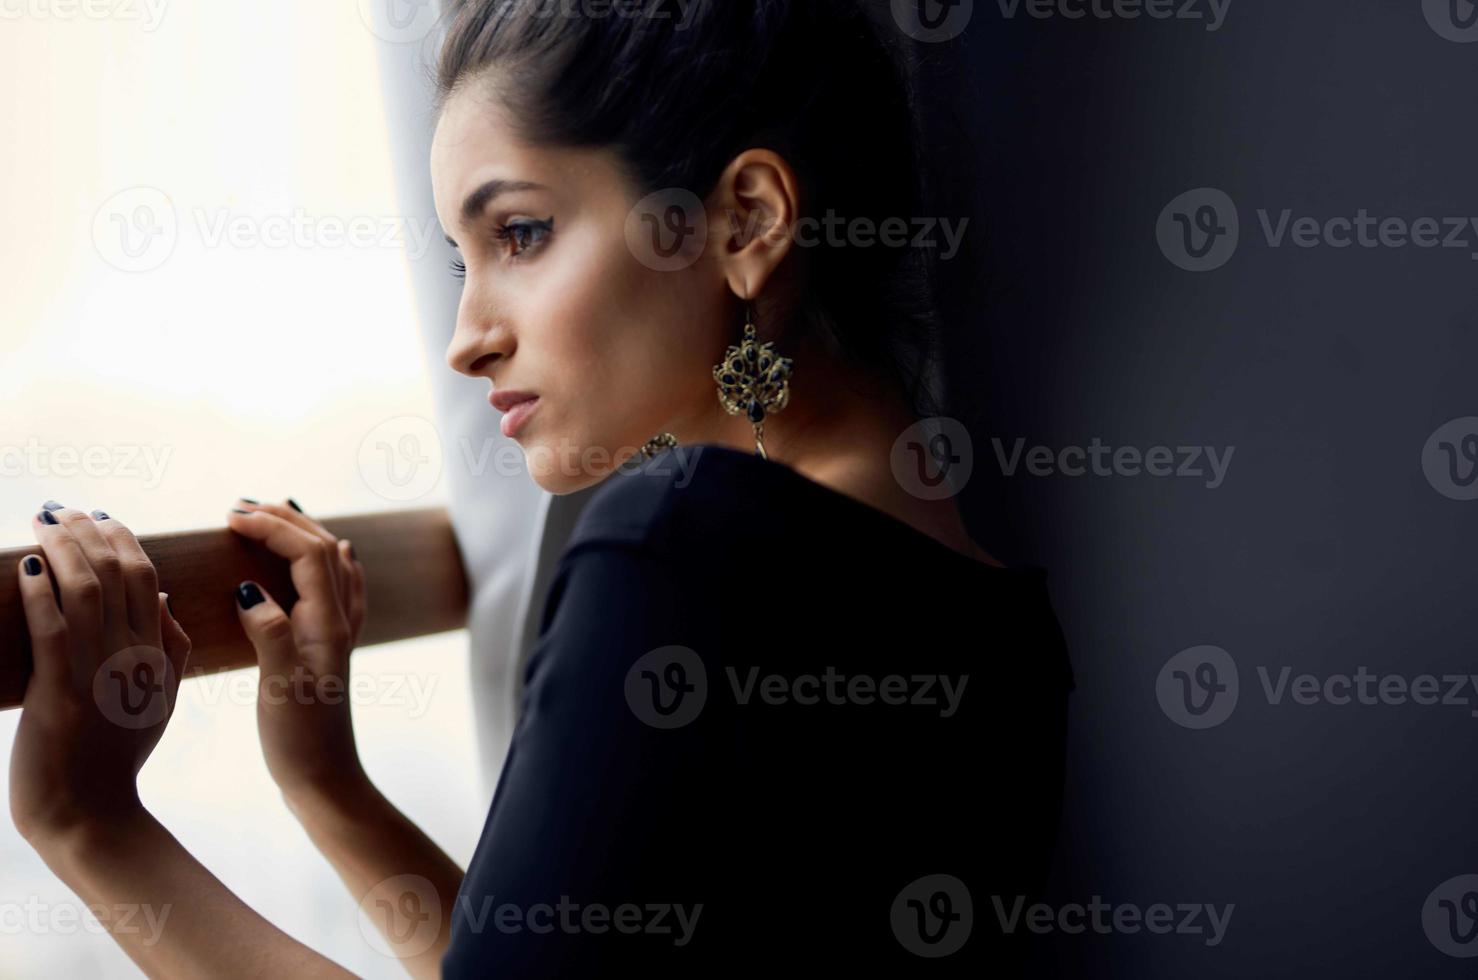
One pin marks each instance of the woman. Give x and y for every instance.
(783, 711)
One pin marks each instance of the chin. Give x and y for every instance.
(560, 468)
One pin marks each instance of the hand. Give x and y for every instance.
(107, 661)
(303, 710)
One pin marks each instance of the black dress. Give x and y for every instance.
(768, 730)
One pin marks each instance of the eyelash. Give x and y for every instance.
(504, 234)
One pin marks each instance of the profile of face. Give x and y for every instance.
(556, 304)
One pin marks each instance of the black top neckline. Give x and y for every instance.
(900, 529)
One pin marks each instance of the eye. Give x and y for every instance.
(524, 235)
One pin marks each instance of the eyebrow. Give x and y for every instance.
(479, 199)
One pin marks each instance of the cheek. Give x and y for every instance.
(618, 340)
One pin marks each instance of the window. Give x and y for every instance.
(207, 296)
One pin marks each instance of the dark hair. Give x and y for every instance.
(678, 90)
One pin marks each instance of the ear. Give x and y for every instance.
(753, 211)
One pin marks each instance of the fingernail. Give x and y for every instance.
(294, 505)
(238, 510)
(47, 517)
(33, 565)
(248, 595)
(98, 515)
(52, 505)
(169, 604)
(352, 555)
(248, 500)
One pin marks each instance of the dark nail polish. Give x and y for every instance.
(52, 505)
(98, 515)
(352, 555)
(249, 500)
(33, 565)
(238, 510)
(294, 505)
(47, 517)
(248, 595)
(169, 604)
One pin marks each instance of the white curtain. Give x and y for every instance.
(511, 532)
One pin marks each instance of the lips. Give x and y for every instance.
(517, 406)
(506, 401)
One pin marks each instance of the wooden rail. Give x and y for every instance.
(415, 581)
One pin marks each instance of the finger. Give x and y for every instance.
(174, 639)
(140, 578)
(345, 551)
(295, 516)
(105, 565)
(80, 591)
(50, 651)
(358, 602)
(321, 623)
(267, 627)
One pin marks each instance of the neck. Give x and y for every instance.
(839, 430)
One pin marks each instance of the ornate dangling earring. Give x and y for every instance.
(754, 380)
(658, 443)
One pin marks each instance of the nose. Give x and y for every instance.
(480, 342)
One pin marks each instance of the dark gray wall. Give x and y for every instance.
(1334, 541)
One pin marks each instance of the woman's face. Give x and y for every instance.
(558, 306)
